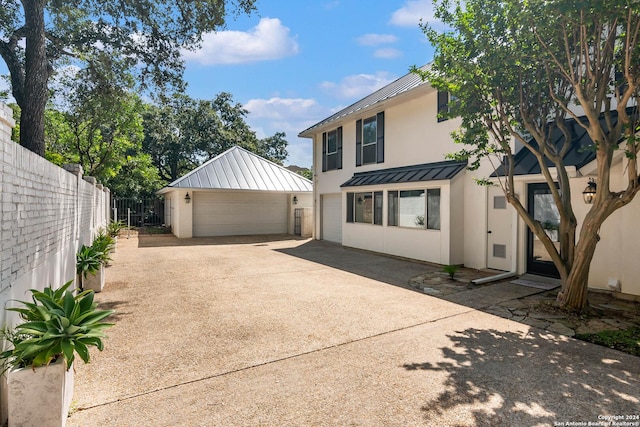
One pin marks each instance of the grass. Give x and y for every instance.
(627, 340)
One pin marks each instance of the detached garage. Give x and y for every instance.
(237, 193)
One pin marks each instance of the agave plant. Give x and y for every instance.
(57, 324)
(88, 261)
(114, 227)
(103, 245)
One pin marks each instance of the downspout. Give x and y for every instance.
(514, 254)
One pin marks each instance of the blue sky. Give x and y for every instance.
(293, 63)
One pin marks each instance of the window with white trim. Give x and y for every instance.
(365, 207)
(370, 140)
(332, 150)
(414, 208)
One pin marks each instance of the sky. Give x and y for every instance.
(293, 63)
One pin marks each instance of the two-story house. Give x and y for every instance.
(382, 182)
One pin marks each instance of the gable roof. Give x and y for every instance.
(239, 169)
(402, 85)
(580, 153)
(415, 173)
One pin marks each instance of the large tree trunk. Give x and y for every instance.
(35, 91)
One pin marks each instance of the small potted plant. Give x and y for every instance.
(90, 268)
(57, 326)
(113, 230)
(104, 244)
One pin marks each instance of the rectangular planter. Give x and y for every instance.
(95, 282)
(41, 396)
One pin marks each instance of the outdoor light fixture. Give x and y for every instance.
(359, 200)
(589, 193)
(187, 198)
(295, 200)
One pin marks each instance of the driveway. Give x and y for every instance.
(284, 332)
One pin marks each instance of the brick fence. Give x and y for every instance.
(47, 212)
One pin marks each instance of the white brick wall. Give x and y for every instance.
(46, 213)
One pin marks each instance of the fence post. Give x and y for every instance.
(128, 222)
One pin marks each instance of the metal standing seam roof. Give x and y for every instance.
(403, 84)
(415, 173)
(580, 153)
(239, 169)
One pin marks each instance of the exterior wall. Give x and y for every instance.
(47, 213)
(305, 200)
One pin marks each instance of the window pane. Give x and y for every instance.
(364, 207)
(377, 211)
(332, 161)
(392, 214)
(332, 142)
(433, 209)
(369, 154)
(411, 208)
(369, 131)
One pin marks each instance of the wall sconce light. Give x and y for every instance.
(359, 200)
(187, 199)
(589, 193)
(295, 200)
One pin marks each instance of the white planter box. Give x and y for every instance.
(95, 282)
(40, 397)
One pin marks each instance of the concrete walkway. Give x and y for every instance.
(250, 331)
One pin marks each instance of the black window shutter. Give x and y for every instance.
(339, 144)
(443, 104)
(324, 151)
(350, 207)
(359, 143)
(380, 141)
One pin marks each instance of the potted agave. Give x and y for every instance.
(113, 230)
(104, 244)
(58, 325)
(90, 268)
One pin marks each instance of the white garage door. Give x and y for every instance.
(238, 213)
(332, 217)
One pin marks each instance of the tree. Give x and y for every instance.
(38, 36)
(181, 133)
(519, 71)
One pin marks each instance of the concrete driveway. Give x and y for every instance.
(283, 332)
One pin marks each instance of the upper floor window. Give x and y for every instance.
(443, 105)
(332, 150)
(370, 140)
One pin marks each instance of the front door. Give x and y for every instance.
(543, 209)
(499, 232)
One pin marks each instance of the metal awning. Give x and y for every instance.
(416, 173)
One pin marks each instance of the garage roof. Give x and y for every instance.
(239, 169)
(415, 173)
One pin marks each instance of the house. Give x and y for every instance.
(382, 182)
(237, 193)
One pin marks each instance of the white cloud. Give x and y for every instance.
(282, 108)
(266, 41)
(357, 86)
(410, 14)
(376, 39)
(387, 53)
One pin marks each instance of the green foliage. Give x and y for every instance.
(307, 173)
(114, 228)
(103, 244)
(451, 270)
(88, 261)
(57, 324)
(625, 340)
(180, 133)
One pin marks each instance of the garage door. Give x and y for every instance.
(332, 217)
(238, 213)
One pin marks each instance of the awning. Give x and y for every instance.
(405, 174)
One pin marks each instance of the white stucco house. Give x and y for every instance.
(382, 182)
(237, 193)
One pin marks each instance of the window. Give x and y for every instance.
(365, 207)
(370, 140)
(332, 150)
(414, 209)
(443, 105)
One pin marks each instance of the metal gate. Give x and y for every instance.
(297, 221)
(140, 212)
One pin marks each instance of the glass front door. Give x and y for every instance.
(544, 210)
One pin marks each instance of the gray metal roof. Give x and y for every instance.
(580, 153)
(397, 87)
(415, 173)
(239, 169)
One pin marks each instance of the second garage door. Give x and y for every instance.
(332, 217)
(238, 213)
